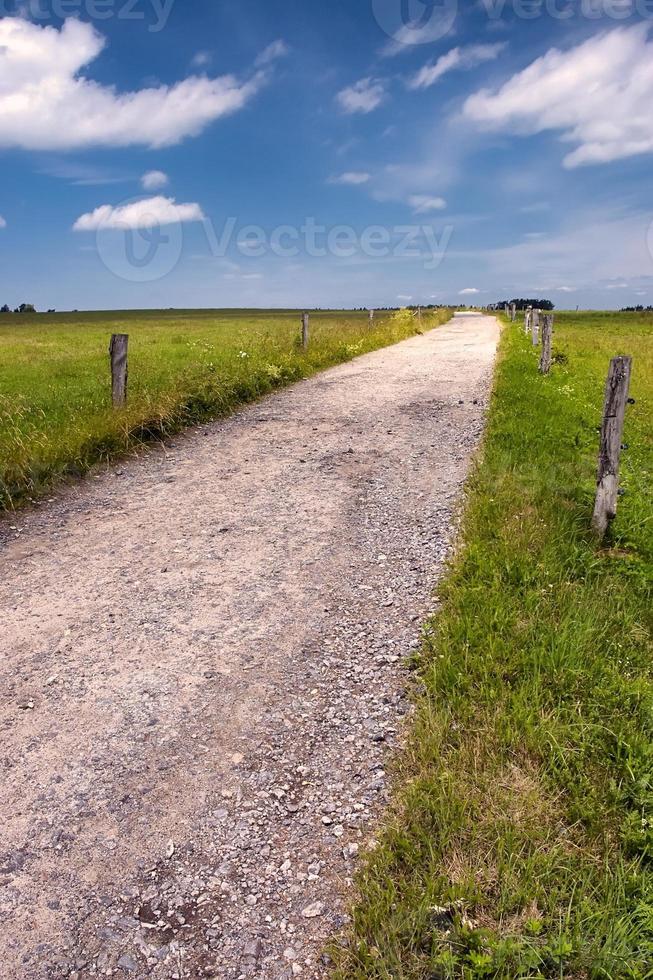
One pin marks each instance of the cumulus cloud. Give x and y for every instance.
(422, 203)
(352, 178)
(148, 213)
(364, 96)
(458, 58)
(597, 94)
(470, 291)
(154, 180)
(47, 104)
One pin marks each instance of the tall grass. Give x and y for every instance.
(56, 418)
(520, 843)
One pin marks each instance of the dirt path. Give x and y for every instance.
(200, 659)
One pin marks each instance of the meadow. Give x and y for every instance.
(520, 840)
(56, 418)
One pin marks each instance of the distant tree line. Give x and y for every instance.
(23, 308)
(523, 304)
(637, 309)
(416, 306)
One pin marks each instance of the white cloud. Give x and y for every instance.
(351, 178)
(278, 49)
(364, 96)
(470, 291)
(598, 94)
(148, 213)
(422, 203)
(201, 59)
(565, 289)
(458, 58)
(82, 174)
(46, 104)
(154, 180)
(3, 223)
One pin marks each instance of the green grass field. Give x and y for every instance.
(520, 842)
(56, 418)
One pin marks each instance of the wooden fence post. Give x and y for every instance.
(371, 317)
(528, 319)
(547, 341)
(118, 357)
(535, 327)
(305, 324)
(612, 430)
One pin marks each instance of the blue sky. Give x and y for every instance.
(164, 153)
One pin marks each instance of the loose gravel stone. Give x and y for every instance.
(203, 671)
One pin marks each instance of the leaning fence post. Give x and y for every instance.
(547, 341)
(118, 357)
(535, 327)
(612, 430)
(305, 323)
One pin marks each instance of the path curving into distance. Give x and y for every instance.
(201, 671)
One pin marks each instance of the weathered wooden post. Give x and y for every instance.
(528, 320)
(547, 341)
(419, 315)
(371, 317)
(535, 327)
(612, 430)
(513, 312)
(118, 357)
(305, 328)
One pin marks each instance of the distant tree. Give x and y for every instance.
(523, 304)
(25, 308)
(5, 309)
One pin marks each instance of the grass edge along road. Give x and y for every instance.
(56, 419)
(520, 839)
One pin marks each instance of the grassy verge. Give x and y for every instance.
(56, 418)
(521, 839)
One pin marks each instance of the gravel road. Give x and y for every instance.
(201, 675)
